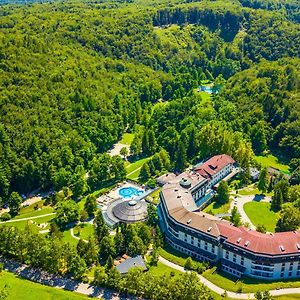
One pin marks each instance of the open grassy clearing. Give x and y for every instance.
(288, 297)
(34, 213)
(252, 190)
(162, 269)
(127, 138)
(245, 285)
(216, 208)
(67, 237)
(261, 213)
(173, 255)
(272, 161)
(19, 288)
(133, 169)
(84, 230)
(34, 226)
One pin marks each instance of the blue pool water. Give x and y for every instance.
(129, 192)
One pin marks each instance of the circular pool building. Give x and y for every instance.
(127, 211)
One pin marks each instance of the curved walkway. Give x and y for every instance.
(221, 291)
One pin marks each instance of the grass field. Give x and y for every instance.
(67, 237)
(272, 161)
(133, 169)
(84, 230)
(162, 269)
(39, 212)
(216, 208)
(248, 285)
(127, 138)
(173, 255)
(23, 224)
(289, 297)
(261, 213)
(19, 288)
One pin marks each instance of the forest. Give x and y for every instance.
(76, 75)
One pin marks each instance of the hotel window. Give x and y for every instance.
(290, 274)
(282, 269)
(298, 273)
(242, 261)
(213, 249)
(205, 246)
(234, 257)
(299, 266)
(227, 255)
(291, 268)
(281, 275)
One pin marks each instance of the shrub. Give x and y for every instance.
(5, 217)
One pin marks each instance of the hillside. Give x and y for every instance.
(74, 75)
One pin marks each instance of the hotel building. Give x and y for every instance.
(240, 251)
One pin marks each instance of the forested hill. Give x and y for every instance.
(74, 75)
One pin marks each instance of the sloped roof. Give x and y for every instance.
(214, 165)
(279, 243)
(131, 262)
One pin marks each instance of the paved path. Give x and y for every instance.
(60, 282)
(221, 291)
(117, 148)
(241, 200)
(27, 219)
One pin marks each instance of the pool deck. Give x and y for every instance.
(114, 194)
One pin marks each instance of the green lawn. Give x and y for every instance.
(261, 213)
(67, 237)
(173, 255)
(252, 190)
(127, 138)
(23, 224)
(84, 230)
(289, 297)
(272, 161)
(19, 288)
(133, 169)
(216, 208)
(248, 285)
(39, 212)
(204, 95)
(162, 269)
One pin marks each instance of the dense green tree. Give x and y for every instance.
(90, 205)
(223, 192)
(100, 276)
(289, 218)
(67, 212)
(145, 173)
(107, 248)
(263, 180)
(14, 203)
(136, 246)
(101, 229)
(180, 157)
(235, 217)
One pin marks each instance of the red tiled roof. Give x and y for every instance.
(280, 243)
(214, 165)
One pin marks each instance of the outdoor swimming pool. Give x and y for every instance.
(129, 192)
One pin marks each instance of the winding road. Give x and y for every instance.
(221, 291)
